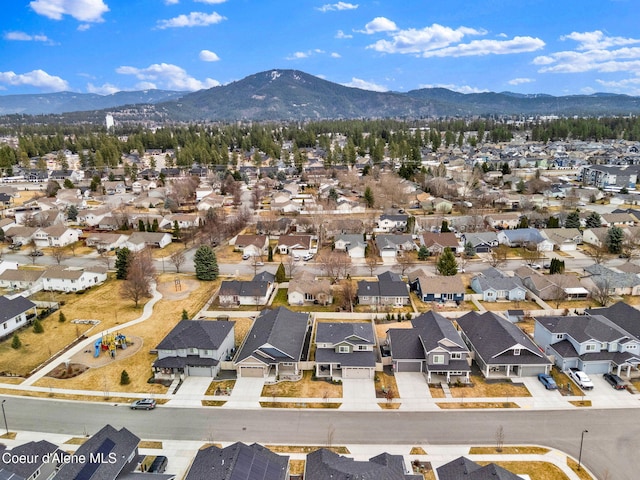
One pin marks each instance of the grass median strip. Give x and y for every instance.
(299, 405)
(465, 405)
(523, 450)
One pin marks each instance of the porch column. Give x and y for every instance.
(486, 371)
(508, 370)
(448, 377)
(618, 370)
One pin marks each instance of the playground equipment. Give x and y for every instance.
(109, 342)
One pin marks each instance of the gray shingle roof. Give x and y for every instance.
(37, 450)
(279, 329)
(621, 314)
(10, 308)
(244, 289)
(324, 464)
(464, 469)
(201, 334)
(583, 328)
(238, 462)
(355, 333)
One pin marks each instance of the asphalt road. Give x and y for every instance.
(610, 447)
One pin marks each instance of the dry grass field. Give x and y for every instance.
(166, 314)
(482, 388)
(535, 470)
(304, 388)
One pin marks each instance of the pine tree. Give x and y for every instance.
(469, 251)
(572, 221)
(206, 263)
(37, 326)
(123, 259)
(62, 317)
(593, 220)
(368, 197)
(72, 213)
(281, 275)
(185, 315)
(444, 228)
(423, 253)
(141, 226)
(270, 254)
(16, 343)
(447, 265)
(124, 378)
(615, 239)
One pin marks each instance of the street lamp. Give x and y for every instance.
(581, 443)
(5, 417)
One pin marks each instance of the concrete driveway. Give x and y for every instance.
(413, 390)
(246, 393)
(604, 395)
(190, 392)
(359, 394)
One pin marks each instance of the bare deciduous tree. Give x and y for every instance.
(58, 254)
(140, 274)
(335, 264)
(601, 291)
(498, 255)
(596, 253)
(177, 259)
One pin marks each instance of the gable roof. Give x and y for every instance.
(10, 308)
(491, 335)
(624, 316)
(240, 288)
(36, 451)
(238, 462)
(464, 469)
(324, 464)
(336, 332)
(583, 328)
(201, 334)
(276, 334)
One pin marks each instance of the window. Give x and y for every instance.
(343, 349)
(559, 336)
(590, 347)
(362, 347)
(438, 359)
(456, 356)
(516, 351)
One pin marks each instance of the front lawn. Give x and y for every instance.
(481, 387)
(306, 387)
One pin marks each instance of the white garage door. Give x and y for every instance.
(199, 371)
(355, 372)
(251, 372)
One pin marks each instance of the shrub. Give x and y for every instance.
(37, 327)
(124, 378)
(62, 318)
(16, 343)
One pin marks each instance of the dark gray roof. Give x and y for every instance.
(614, 279)
(201, 334)
(583, 328)
(251, 288)
(108, 440)
(353, 359)
(389, 284)
(337, 332)
(434, 328)
(491, 335)
(405, 344)
(182, 362)
(324, 464)
(238, 462)
(498, 283)
(265, 277)
(524, 235)
(10, 308)
(37, 450)
(623, 315)
(464, 469)
(276, 335)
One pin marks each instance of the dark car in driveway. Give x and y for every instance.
(144, 404)
(615, 381)
(548, 381)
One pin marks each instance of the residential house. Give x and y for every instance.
(251, 245)
(92, 217)
(105, 241)
(623, 219)
(437, 288)
(481, 242)
(238, 461)
(464, 469)
(7, 223)
(433, 346)
(296, 245)
(610, 177)
(563, 239)
(306, 288)
(56, 236)
(279, 226)
(389, 290)
(20, 279)
(524, 237)
(183, 220)
(118, 447)
(615, 283)
(500, 348)
(352, 243)
(345, 350)
(20, 234)
(194, 348)
(138, 241)
(592, 343)
(596, 236)
(253, 292)
(390, 246)
(437, 242)
(503, 221)
(392, 222)
(31, 462)
(274, 345)
(67, 279)
(14, 314)
(324, 464)
(495, 285)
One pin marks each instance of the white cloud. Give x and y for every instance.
(420, 41)
(166, 75)
(455, 88)
(335, 55)
(379, 24)
(208, 56)
(171, 2)
(81, 10)
(298, 56)
(520, 81)
(596, 40)
(364, 85)
(211, 2)
(106, 89)
(330, 7)
(25, 37)
(341, 34)
(194, 19)
(84, 27)
(35, 78)
(489, 47)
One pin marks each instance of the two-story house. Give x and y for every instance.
(392, 223)
(194, 348)
(433, 346)
(389, 290)
(62, 279)
(14, 314)
(592, 343)
(36, 468)
(345, 350)
(56, 236)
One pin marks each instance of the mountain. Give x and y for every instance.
(64, 102)
(295, 95)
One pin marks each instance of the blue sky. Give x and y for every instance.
(524, 46)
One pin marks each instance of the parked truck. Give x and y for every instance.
(581, 378)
